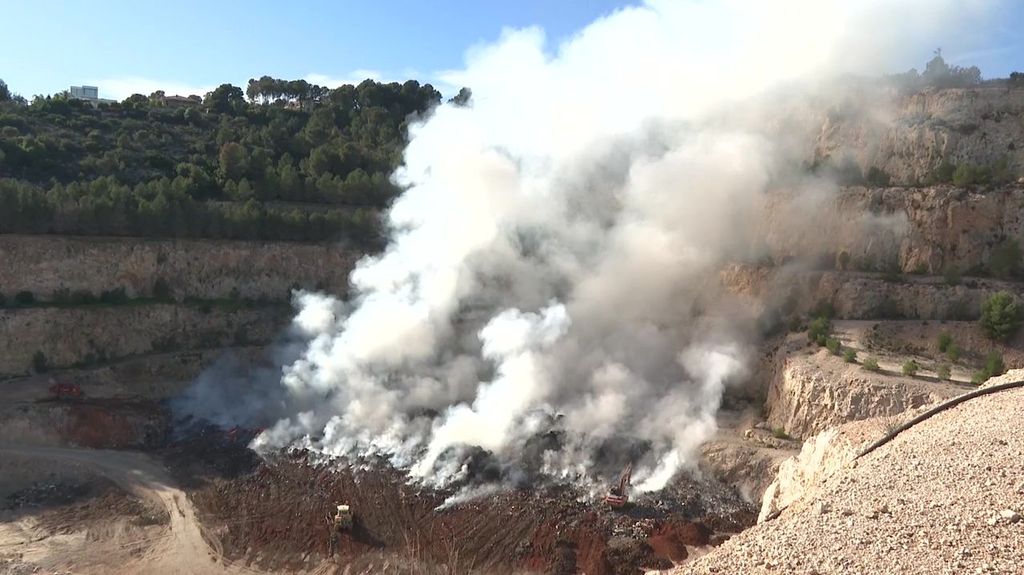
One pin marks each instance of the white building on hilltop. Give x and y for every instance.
(90, 94)
(85, 92)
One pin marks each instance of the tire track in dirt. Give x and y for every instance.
(186, 548)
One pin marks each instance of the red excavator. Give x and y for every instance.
(64, 390)
(617, 497)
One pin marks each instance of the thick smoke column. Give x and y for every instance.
(549, 300)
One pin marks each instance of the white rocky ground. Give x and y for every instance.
(945, 496)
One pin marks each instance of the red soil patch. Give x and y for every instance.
(113, 424)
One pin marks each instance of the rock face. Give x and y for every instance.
(909, 136)
(925, 230)
(197, 268)
(69, 336)
(814, 392)
(948, 227)
(747, 467)
(820, 457)
(857, 295)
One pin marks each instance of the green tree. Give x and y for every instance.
(463, 98)
(232, 159)
(40, 363)
(945, 340)
(1000, 316)
(225, 99)
(5, 92)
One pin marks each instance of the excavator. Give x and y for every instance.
(618, 496)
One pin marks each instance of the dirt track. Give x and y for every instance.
(181, 546)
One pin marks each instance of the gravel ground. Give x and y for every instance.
(945, 496)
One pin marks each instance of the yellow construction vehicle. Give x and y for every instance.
(342, 519)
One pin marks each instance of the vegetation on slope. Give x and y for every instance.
(295, 162)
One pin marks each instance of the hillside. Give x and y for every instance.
(303, 163)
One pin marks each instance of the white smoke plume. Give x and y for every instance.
(549, 299)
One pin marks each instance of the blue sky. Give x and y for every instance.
(189, 46)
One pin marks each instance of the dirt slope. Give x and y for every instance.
(943, 497)
(182, 546)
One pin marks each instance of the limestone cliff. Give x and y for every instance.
(196, 268)
(89, 335)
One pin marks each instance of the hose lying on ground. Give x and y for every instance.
(938, 409)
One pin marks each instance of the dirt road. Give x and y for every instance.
(181, 546)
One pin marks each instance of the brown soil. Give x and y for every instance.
(115, 424)
(107, 502)
(277, 518)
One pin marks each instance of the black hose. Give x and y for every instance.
(938, 409)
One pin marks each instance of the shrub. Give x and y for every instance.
(24, 298)
(952, 275)
(953, 352)
(833, 345)
(1005, 260)
(843, 260)
(824, 308)
(994, 364)
(967, 175)
(910, 368)
(795, 324)
(877, 177)
(850, 356)
(116, 296)
(162, 290)
(39, 362)
(82, 297)
(945, 340)
(818, 330)
(979, 377)
(887, 308)
(241, 336)
(870, 364)
(892, 272)
(780, 433)
(61, 296)
(943, 174)
(943, 371)
(1000, 316)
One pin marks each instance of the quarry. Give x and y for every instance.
(686, 338)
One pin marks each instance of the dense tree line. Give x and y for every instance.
(297, 161)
